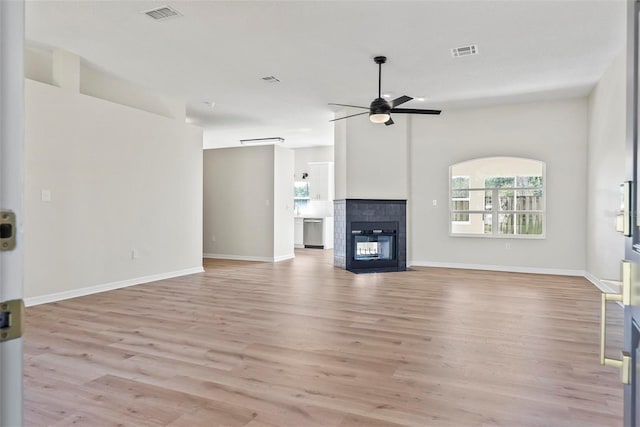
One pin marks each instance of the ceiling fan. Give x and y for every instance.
(380, 109)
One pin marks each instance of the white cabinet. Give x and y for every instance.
(298, 230)
(321, 181)
(328, 233)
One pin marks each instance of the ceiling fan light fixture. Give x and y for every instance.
(379, 117)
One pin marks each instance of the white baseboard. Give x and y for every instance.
(510, 269)
(298, 246)
(238, 257)
(603, 285)
(248, 257)
(74, 293)
(283, 257)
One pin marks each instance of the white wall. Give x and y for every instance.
(340, 159)
(311, 154)
(238, 203)
(57, 66)
(371, 160)
(121, 180)
(283, 203)
(606, 170)
(97, 83)
(554, 132)
(38, 65)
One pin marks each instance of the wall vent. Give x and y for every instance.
(162, 13)
(270, 79)
(457, 52)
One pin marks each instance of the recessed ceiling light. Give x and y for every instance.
(209, 104)
(386, 95)
(421, 99)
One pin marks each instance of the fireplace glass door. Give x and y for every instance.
(374, 247)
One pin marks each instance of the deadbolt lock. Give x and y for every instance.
(7, 231)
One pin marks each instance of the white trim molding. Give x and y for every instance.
(509, 269)
(74, 293)
(604, 285)
(248, 257)
(283, 257)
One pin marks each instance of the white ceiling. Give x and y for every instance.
(322, 52)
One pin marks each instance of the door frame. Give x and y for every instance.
(12, 26)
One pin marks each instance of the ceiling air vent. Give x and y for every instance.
(270, 79)
(162, 13)
(457, 52)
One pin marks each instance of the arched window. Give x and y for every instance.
(497, 197)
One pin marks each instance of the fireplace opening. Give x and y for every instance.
(374, 246)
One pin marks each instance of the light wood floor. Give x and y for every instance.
(299, 343)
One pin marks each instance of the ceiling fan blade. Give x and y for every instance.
(389, 122)
(347, 105)
(414, 111)
(400, 100)
(346, 117)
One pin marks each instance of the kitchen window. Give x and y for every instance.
(300, 196)
(497, 197)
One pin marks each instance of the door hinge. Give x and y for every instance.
(11, 319)
(7, 231)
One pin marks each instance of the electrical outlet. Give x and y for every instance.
(507, 246)
(213, 238)
(435, 202)
(135, 254)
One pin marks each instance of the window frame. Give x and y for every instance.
(495, 211)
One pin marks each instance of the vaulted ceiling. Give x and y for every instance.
(321, 51)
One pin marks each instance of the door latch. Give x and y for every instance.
(7, 230)
(11, 316)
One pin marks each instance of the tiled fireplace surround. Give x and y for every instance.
(367, 210)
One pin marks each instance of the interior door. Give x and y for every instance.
(632, 246)
(11, 214)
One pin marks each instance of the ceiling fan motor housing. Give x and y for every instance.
(379, 111)
(380, 106)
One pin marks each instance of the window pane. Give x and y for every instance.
(475, 200)
(301, 189)
(529, 223)
(459, 186)
(477, 223)
(488, 202)
(460, 205)
(499, 182)
(460, 194)
(520, 224)
(505, 223)
(529, 181)
(458, 182)
(507, 202)
(529, 200)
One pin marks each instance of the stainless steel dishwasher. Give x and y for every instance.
(313, 233)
